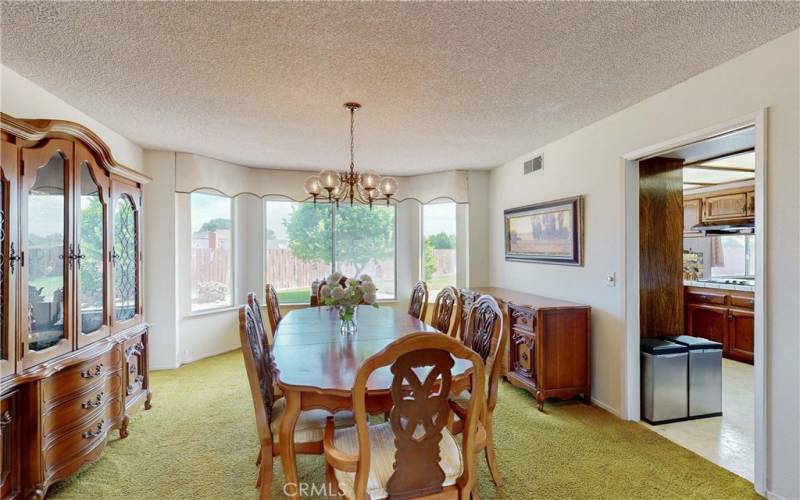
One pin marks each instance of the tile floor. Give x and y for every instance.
(727, 440)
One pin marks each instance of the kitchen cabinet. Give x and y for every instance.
(692, 211)
(751, 204)
(725, 207)
(724, 316)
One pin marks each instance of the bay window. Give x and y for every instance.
(212, 256)
(438, 246)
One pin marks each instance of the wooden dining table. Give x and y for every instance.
(317, 365)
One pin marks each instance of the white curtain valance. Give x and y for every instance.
(195, 173)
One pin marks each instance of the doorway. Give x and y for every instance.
(631, 289)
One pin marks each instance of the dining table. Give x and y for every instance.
(316, 366)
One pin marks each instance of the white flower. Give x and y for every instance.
(369, 297)
(325, 291)
(369, 288)
(337, 293)
(365, 278)
(350, 282)
(334, 278)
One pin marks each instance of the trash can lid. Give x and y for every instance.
(695, 343)
(661, 346)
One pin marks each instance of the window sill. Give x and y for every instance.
(209, 312)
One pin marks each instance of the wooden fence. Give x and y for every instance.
(211, 264)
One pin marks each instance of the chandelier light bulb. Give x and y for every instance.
(388, 186)
(313, 186)
(336, 192)
(329, 179)
(370, 180)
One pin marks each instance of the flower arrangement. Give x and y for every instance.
(346, 299)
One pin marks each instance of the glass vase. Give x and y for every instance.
(347, 316)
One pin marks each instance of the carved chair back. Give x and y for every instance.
(252, 301)
(419, 413)
(258, 364)
(447, 311)
(419, 300)
(485, 333)
(273, 307)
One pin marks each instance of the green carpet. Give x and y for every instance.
(199, 441)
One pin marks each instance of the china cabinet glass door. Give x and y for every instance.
(9, 251)
(91, 283)
(48, 253)
(125, 256)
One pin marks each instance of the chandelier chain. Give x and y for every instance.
(352, 138)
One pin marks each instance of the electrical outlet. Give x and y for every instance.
(611, 279)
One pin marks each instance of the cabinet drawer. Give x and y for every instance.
(522, 319)
(81, 376)
(698, 297)
(743, 302)
(82, 437)
(82, 404)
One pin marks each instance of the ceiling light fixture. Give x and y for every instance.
(363, 188)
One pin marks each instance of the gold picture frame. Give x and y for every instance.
(549, 232)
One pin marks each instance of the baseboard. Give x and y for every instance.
(208, 355)
(155, 368)
(606, 407)
(774, 496)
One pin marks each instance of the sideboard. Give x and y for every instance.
(73, 345)
(550, 343)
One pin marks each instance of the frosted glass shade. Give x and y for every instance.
(329, 179)
(388, 186)
(312, 185)
(370, 180)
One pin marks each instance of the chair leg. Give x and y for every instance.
(258, 458)
(265, 475)
(491, 458)
(331, 485)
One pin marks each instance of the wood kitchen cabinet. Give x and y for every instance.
(692, 211)
(724, 316)
(725, 207)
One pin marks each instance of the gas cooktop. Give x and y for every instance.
(730, 281)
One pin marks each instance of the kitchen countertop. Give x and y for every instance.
(719, 286)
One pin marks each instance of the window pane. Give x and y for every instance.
(90, 247)
(298, 243)
(124, 259)
(439, 246)
(212, 286)
(365, 244)
(730, 255)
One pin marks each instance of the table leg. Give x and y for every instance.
(286, 433)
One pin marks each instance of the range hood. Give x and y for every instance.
(739, 228)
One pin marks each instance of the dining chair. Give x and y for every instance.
(273, 308)
(413, 454)
(419, 301)
(310, 425)
(447, 311)
(265, 337)
(485, 333)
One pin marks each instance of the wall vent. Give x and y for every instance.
(532, 165)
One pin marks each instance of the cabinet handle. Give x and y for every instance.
(94, 433)
(98, 400)
(89, 373)
(14, 258)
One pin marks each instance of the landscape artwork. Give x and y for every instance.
(550, 232)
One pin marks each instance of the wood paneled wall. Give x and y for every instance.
(661, 247)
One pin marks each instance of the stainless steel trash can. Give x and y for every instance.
(705, 375)
(664, 367)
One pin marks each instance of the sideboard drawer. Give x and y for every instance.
(82, 404)
(82, 437)
(523, 319)
(81, 376)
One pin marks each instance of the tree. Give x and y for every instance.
(91, 247)
(442, 241)
(214, 224)
(363, 235)
(270, 234)
(430, 259)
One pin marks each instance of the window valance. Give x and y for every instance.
(194, 173)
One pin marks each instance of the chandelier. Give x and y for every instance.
(363, 188)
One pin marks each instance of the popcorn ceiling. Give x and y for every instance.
(443, 85)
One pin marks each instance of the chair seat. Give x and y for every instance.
(310, 424)
(382, 451)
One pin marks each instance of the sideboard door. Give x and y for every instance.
(9, 255)
(125, 256)
(46, 277)
(92, 191)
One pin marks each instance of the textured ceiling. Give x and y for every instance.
(444, 85)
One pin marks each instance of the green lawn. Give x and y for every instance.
(295, 295)
(439, 282)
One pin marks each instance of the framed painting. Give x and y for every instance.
(550, 232)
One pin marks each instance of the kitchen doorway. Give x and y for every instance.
(751, 405)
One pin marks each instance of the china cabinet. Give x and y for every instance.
(73, 345)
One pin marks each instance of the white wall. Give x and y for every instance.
(589, 162)
(21, 98)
